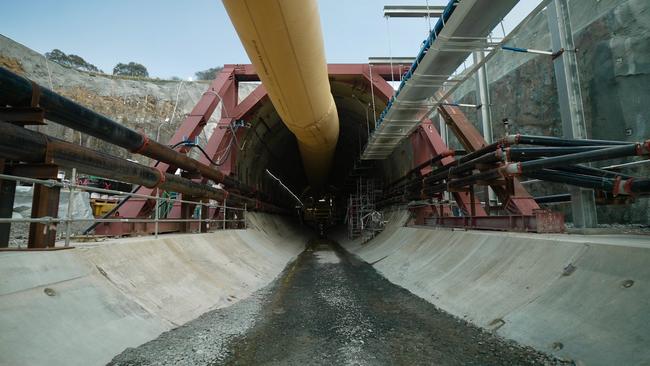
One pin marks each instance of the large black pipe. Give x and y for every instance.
(527, 153)
(16, 90)
(21, 144)
(615, 186)
(555, 198)
(557, 141)
(583, 157)
(586, 170)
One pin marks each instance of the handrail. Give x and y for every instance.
(72, 187)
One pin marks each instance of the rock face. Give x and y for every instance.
(141, 104)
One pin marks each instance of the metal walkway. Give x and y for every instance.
(462, 28)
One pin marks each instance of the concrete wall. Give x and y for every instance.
(85, 305)
(562, 294)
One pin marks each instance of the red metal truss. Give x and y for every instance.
(427, 143)
(516, 199)
(246, 72)
(225, 89)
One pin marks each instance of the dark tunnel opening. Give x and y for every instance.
(268, 144)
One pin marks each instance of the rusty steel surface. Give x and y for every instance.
(45, 203)
(540, 221)
(427, 143)
(517, 199)
(97, 163)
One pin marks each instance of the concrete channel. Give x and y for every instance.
(412, 295)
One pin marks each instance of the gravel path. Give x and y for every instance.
(329, 308)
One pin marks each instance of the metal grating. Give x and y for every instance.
(463, 27)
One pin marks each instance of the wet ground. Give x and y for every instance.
(330, 308)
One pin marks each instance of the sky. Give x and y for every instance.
(178, 38)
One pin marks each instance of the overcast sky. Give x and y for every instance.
(178, 38)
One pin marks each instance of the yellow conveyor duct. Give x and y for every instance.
(283, 40)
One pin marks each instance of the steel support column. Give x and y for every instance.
(465, 200)
(486, 110)
(45, 203)
(583, 205)
(7, 195)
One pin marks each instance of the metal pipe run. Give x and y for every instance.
(583, 157)
(21, 144)
(557, 141)
(616, 186)
(555, 198)
(527, 153)
(16, 90)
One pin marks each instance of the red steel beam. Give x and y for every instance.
(224, 86)
(427, 143)
(541, 221)
(246, 72)
(517, 199)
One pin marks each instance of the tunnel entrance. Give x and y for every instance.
(269, 145)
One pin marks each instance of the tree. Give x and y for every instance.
(131, 69)
(72, 61)
(208, 74)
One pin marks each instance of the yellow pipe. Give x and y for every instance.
(283, 40)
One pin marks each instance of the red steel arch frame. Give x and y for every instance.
(426, 143)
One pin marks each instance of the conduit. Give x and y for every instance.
(284, 42)
(16, 91)
(21, 144)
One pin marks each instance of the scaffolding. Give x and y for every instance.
(362, 217)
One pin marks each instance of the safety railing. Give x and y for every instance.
(222, 219)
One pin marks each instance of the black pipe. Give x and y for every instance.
(584, 181)
(586, 170)
(16, 90)
(556, 198)
(608, 185)
(488, 158)
(525, 153)
(583, 157)
(36, 147)
(557, 141)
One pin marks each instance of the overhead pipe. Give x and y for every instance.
(18, 91)
(20, 144)
(284, 42)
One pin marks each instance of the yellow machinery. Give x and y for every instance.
(284, 41)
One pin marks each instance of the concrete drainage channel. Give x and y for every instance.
(257, 296)
(328, 307)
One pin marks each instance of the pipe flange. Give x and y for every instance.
(627, 186)
(145, 143)
(162, 178)
(643, 148)
(617, 186)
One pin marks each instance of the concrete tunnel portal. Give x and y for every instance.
(357, 214)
